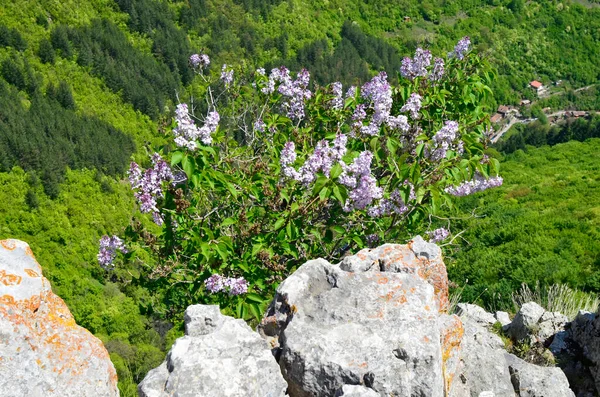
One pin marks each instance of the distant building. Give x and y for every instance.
(536, 85)
(503, 109)
(496, 118)
(578, 113)
(406, 19)
(525, 102)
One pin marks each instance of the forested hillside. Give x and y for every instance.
(88, 85)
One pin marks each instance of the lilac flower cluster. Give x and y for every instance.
(226, 75)
(413, 105)
(186, 132)
(393, 205)
(477, 184)
(362, 184)
(259, 125)
(398, 123)
(371, 239)
(322, 160)
(149, 185)
(199, 61)
(337, 102)
(108, 250)
(296, 91)
(438, 235)
(379, 94)
(438, 70)
(417, 66)
(444, 140)
(233, 286)
(461, 48)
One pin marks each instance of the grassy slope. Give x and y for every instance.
(542, 225)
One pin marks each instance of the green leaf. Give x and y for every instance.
(324, 194)
(253, 297)
(228, 221)
(321, 181)
(338, 194)
(420, 149)
(336, 171)
(279, 223)
(176, 158)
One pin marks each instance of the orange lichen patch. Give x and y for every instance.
(48, 326)
(427, 308)
(29, 252)
(426, 339)
(32, 273)
(380, 314)
(7, 300)
(10, 279)
(383, 280)
(451, 337)
(8, 244)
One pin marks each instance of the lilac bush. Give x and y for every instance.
(274, 172)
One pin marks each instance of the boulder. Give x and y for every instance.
(502, 317)
(485, 369)
(475, 313)
(530, 380)
(525, 323)
(218, 356)
(585, 333)
(372, 321)
(43, 352)
(417, 257)
(533, 324)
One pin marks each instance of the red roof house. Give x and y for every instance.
(536, 84)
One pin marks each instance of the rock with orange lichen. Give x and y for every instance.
(374, 329)
(417, 257)
(43, 352)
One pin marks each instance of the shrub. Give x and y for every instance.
(277, 174)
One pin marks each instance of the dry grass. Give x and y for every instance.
(557, 298)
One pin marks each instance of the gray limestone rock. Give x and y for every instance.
(525, 323)
(356, 391)
(373, 329)
(502, 317)
(43, 352)
(218, 356)
(475, 313)
(485, 367)
(530, 380)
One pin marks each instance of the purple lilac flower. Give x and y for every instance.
(398, 123)
(233, 286)
(261, 71)
(259, 125)
(379, 94)
(438, 235)
(372, 239)
(199, 61)
(363, 186)
(226, 75)
(393, 205)
(351, 93)
(108, 250)
(322, 160)
(443, 141)
(477, 184)
(337, 102)
(438, 70)
(187, 132)
(149, 185)
(296, 92)
(461, 48)
(413, 105)
(417, 66)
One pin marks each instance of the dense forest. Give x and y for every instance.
(87, 86)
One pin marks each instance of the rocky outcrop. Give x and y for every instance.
(43, 352)
(218, 356)
(534, 324)
(374, 325)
